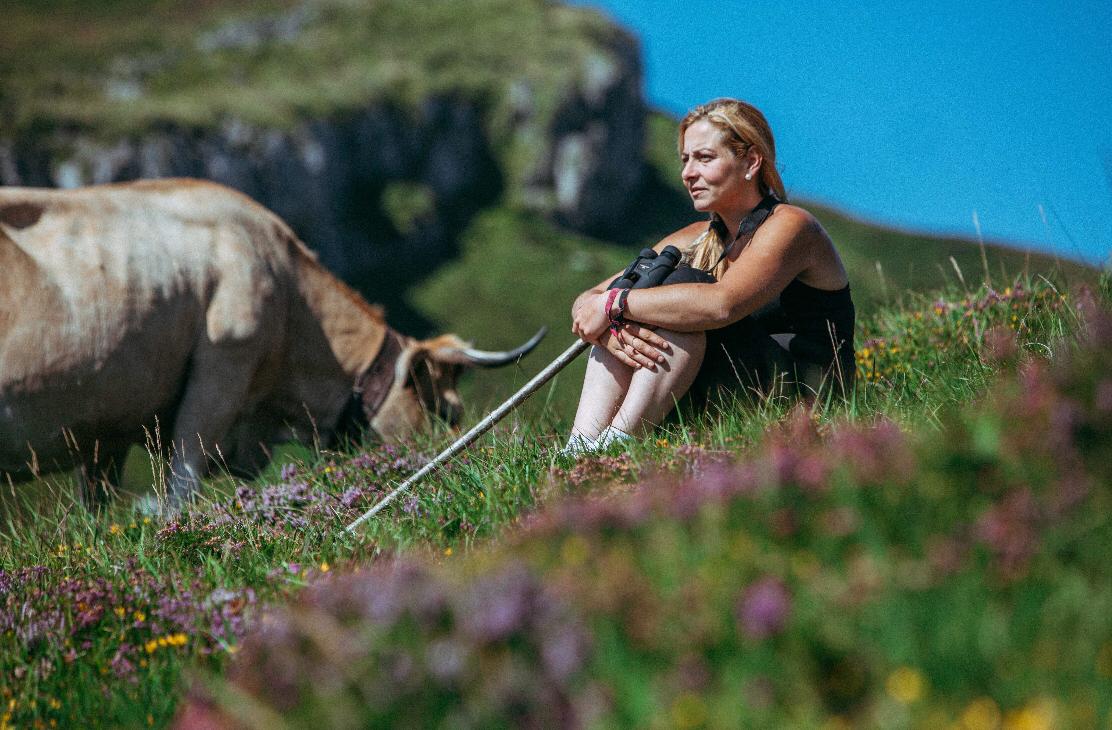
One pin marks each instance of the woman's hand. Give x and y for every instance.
(636, 346)
(588, 321)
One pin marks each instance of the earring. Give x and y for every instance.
(748, 176)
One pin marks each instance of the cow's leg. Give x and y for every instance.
(241, 322)
(214, 397)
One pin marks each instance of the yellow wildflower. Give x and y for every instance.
(325, 567)
(151, 646)
(114, 529)
(447, 552)
(981, 714)
(575, 550)
(689, 710)
(139, 616)
(662, 442)
(905, 685)
(1037, 715)
(120, 611)
(1104, 659)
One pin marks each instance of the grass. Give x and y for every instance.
(105, 615)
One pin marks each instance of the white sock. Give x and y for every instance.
(612, 435)
(578, 444)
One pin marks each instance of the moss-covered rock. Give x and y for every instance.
(315, 108)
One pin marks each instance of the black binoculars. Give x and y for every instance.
(648, 269)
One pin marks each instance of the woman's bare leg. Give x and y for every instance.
(604, 388)
(651, 395)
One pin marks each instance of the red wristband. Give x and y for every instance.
(610, 296)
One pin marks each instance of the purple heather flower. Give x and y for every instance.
(764, 608)
(563, 650)
(351, 497)
(446, 659)
(500, 604)
(289, 471)
(120, 665)
(1008, 528)
(1103, 398)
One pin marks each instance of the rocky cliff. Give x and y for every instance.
(379, 183)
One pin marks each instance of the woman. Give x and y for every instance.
(779, 300)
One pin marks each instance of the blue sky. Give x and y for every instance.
(923, 116)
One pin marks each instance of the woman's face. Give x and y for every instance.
(713, 176)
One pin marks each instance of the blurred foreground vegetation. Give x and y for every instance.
(934, 550)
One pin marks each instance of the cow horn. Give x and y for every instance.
(488, 359)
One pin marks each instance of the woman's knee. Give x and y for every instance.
(687, 348)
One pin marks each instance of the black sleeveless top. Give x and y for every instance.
(822, 320)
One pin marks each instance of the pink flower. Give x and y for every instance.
(763, 609)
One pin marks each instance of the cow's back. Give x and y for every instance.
(108, 291)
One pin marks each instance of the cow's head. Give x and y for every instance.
(425, 374)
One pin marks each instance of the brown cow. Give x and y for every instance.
(189, 303)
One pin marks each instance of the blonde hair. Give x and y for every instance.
(743, 126)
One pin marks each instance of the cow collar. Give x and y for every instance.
(374, 384)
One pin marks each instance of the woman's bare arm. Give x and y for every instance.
(681, 239)
(638, 346)
(780, 250)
